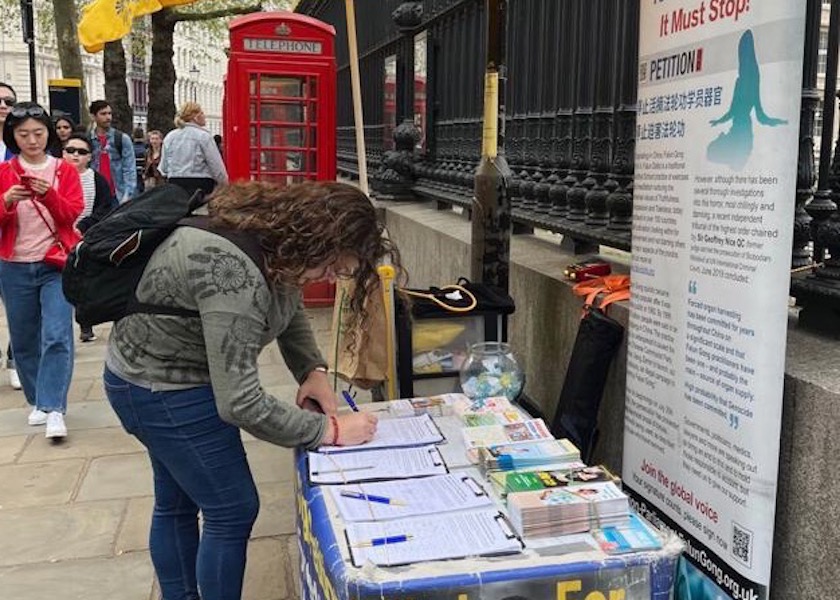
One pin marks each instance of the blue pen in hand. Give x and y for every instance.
(393, 539)
(349, 400)
(371, 497)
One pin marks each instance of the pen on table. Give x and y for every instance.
(340, 470)
(371, 497)
(349, 400)
(393, 539)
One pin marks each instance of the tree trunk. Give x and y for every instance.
(69, 55)
(116, 89)
(162, 73)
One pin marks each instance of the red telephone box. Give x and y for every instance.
(279, 105)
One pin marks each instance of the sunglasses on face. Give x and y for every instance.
(28, 111)
(79, 151)
(8, 101)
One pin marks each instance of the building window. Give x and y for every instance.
(420, 83)
(822, 57)
(390, 109)
(818, 125)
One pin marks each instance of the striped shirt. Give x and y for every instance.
(89, 192)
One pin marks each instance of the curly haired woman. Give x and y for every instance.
(184, 386)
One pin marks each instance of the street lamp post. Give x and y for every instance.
(194, 72)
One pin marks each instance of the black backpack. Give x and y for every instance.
(103, 270)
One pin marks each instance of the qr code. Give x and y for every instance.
(742, 542)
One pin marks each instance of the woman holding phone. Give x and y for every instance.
(40, 200)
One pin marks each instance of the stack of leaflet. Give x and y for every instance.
(462, 405)
(436, 406)
(498, 479)
(527, 481)
(506, 457)
(562, 511)
(495, 435)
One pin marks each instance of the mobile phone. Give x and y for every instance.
(26, 181)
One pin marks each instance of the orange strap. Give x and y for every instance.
(616, 288)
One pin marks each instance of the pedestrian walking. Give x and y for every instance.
(97, 195)
(8, 98)
(113, 153)
(151, 172)
(190, 157)
(41, 200)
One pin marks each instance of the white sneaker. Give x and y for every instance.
(37, 417)
(55, 425)
(14, 380)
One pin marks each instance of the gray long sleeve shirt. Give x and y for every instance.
(191, 152)
(240, 315)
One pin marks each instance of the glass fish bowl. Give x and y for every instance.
(491, 369)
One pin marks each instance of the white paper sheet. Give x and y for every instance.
(430, 495)
(397, 433)
(478, 533)
(370, 465)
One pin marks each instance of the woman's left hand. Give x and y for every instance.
(315, 394)
(39, 186)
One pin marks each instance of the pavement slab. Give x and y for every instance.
(80, 530)
(87, 444)
(270, 463)
(267, 571)
(134, 532)
(277, 510)
(122, 476)
(126, 577)
(44, 484)
(12, 447)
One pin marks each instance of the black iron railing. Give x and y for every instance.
(571, 112)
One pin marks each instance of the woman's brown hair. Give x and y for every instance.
(309, 225)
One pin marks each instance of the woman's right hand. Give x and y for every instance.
(353, 428)
(16, 193)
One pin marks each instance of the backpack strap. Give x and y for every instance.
(616, 288)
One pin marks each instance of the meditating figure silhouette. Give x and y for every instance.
(734, 147)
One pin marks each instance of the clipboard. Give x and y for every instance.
(372, 465)
(426, 544)
(403, 439)
(405, 498)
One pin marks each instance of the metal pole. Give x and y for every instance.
(28, 27)
(490, 256)
(828, 96)
(356, 88)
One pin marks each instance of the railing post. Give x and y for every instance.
(491, 206)
(568, 66)
(822, 207)
(605, 77)
(620, 201)
(582, 122)
(805, 170)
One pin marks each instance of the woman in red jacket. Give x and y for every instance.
(40, 200)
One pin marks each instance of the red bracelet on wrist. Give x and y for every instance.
(334, 422)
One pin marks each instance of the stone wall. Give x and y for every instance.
(435, 247)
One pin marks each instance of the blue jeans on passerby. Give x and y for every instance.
(199, 463)
(41, 332)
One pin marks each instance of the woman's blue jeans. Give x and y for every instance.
(199, 463)
(41, 331)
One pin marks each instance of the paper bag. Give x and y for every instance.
(364, 363)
